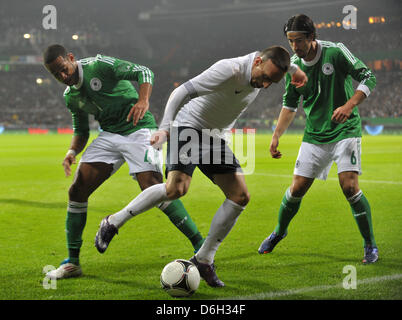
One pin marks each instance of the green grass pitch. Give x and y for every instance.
(323, 237)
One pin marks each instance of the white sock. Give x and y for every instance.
(146, 200)
(224, 220)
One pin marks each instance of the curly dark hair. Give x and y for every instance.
(300, 23)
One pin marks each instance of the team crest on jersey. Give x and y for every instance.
(95, 84)
(327, 68)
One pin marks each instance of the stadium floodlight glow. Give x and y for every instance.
(75, 36)
(27, 36)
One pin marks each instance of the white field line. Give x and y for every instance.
(276, 294)
(288, 176)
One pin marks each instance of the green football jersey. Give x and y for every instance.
(329, 86)
(105, 91)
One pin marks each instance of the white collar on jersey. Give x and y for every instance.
(317, 56)
(80, 76)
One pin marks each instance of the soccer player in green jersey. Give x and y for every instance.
(333, 127)
(101, 86)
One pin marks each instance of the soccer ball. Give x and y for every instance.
(180, 278)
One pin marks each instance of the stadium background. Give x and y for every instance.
(178, 39)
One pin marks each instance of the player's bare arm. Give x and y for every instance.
(138, 110)
(78, 143)
(299, 78)
(342, 113)
(285, 119)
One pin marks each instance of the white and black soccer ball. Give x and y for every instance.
(180, 278)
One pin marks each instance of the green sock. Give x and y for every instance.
(288, 209)
(362, 214)
(75, 223)
(182, 220)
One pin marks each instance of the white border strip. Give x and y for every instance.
(277, 294)
(332, 179)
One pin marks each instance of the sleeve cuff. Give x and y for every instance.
(290, 108)
(364, 88)
(292, 68)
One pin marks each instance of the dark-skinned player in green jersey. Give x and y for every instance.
(333, 127)
(101, 86)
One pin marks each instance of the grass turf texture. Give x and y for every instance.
(308, 264)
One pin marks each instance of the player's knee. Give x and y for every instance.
(349, 190)
(77, 193)
(148, 179)
(297, 191)
(176, 191)
(242, 198)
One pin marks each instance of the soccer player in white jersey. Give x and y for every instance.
(333, 127)
(217, 96)
(101, 86)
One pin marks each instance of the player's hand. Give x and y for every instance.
(67, 162)
(299, 78)
(138, 110)
(158, 138)
(342, 113)
(273, 148)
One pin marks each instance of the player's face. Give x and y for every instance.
(264, 73)
(64, 70)
(299, 43)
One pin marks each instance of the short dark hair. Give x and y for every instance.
(278, 55)
(53, 52)
(300, 23)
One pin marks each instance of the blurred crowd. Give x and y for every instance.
(27, 101)
(30, 97)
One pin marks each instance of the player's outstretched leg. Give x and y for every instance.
(179, 216)
(223, 221)
(146, 200)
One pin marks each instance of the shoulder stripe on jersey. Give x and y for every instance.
(105, 61)
(327, 43)
(87, 60)
(146, 73)
(105, 57)
(108, 58)
(347, 53)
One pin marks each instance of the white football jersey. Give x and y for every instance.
(218, 96)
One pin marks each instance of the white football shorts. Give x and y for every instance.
(315, 160)
(135, 149)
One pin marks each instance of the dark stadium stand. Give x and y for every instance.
(30, 97)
